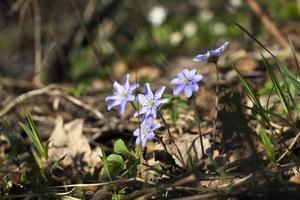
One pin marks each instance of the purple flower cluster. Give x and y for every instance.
(149, 104)
(186, 82)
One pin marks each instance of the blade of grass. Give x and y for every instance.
(267, 143)
(32, 133)
(278, 88)
(105, 163)
(253, 38)
(288, 74)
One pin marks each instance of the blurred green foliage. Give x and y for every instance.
(176, 28)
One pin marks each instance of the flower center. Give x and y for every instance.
(145, 131)
(123, 94)
(186, 80)
(150, 103)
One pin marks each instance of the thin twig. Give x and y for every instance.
(289, 148)
(270, 25)
(98, 184)
(85, 30)
(37, 44)
(51, 90)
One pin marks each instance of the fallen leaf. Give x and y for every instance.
(67, 139)
(295, 179)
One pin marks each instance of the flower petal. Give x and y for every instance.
(178, 89)
(201, 57)
(151, 136)
(113, 103)
(138, 141)
(161, 101)
(111, 97)
(197, 78)
(142, 99)
(181, 76)
(137, 132)
(222, 47)
(118, 88)
(122, 107)
(176, 81)
(143, 111)
(188, 92)
(155, 126)
(148, 91)
(126, 82)
(133, 87)
(159, 92)
(195, 87)
(192, 73)
(130, 97)
(186, 73)
(144, 140)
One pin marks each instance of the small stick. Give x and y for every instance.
(266, 20)
(51, 90)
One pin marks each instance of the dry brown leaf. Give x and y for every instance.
(149, 71)
(68, 140)
(189, 146)
(295, 179)
(120, 69)
(246, 64)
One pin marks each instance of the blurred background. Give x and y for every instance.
(76, 41)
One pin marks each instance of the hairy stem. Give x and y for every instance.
(199, 125)
(216, 102)
(171, 138)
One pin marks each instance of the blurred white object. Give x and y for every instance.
(190, 29)
(175, 38)
(219, 28)
(235, 3)
(206, 15)
(157, 15)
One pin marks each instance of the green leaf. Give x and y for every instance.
(115, 165)
(293, 79)
(33, 134)
(182, 105)
(256, 40)
(105, 169)
(267, 143)
(174, 116)
(115, 159)
(120, 148)
(277, 86)
(249, 91)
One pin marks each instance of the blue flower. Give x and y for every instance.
(122, 94)
(186, 81)
(150, 102)
(146, 131)
(212, 55)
